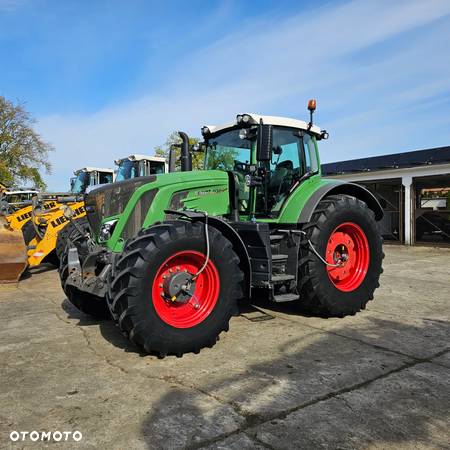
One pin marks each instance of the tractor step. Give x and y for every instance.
(276, 237)
(280, 298)
(282, 278)
(279, 262)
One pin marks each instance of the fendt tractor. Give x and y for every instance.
(169, 256)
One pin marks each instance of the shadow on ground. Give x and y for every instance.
(307, 399)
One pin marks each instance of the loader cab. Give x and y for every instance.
(135, 166)
(88, 177)
(268, 157)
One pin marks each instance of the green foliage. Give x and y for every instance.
(23, 154)
(174, 139)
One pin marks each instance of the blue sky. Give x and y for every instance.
(107, 78)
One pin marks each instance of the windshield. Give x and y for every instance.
(156, 167)
(127, 169)
(227, 151)
(80, 183)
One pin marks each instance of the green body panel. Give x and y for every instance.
(206, 191)
(296, 201)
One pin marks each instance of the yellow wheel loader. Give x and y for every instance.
(24, 239)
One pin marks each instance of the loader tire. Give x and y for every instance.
(342, 227)
(28, 231)
(149, 268)
(69, 232)
(89, 304)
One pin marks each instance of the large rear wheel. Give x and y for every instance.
(157, 301)
(344, 231)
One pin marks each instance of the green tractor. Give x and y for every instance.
(169, 256)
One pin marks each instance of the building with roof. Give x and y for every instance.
(413, 188)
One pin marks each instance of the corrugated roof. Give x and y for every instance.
(438, 155)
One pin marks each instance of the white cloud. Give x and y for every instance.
(273, 67)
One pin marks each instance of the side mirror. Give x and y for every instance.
(264, 143)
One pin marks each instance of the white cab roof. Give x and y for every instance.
(92, 169)
(141, 158)
(28, 191)
(268, 120)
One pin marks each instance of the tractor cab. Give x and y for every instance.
(268, 157)
(135, 166)
(88, 177)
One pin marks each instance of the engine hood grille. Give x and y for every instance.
(111, 199)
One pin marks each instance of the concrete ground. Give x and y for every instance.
(379, 379)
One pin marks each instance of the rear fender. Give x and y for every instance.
(339, 187)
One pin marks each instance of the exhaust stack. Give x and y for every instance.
(186, 160)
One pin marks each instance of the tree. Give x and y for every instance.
(23, 153)
(174, 139)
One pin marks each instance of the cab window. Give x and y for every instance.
(285, 166)
(293, 155)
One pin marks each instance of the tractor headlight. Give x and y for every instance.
(246, 118)
(106, 230)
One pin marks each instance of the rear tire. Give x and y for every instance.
(163, 325)
(340, 221)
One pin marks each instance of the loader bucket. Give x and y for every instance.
(13, 253)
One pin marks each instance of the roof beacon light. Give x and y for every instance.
(311, 108)
(312, 105)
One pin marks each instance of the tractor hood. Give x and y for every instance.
(142, 201)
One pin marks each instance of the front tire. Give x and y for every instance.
(344, 231)
(149, 267)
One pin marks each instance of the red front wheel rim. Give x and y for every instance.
(205, 292)
(348, 247)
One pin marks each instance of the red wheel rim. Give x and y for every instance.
(349, 246)
(206, 290)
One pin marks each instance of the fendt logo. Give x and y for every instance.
(60, 220)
